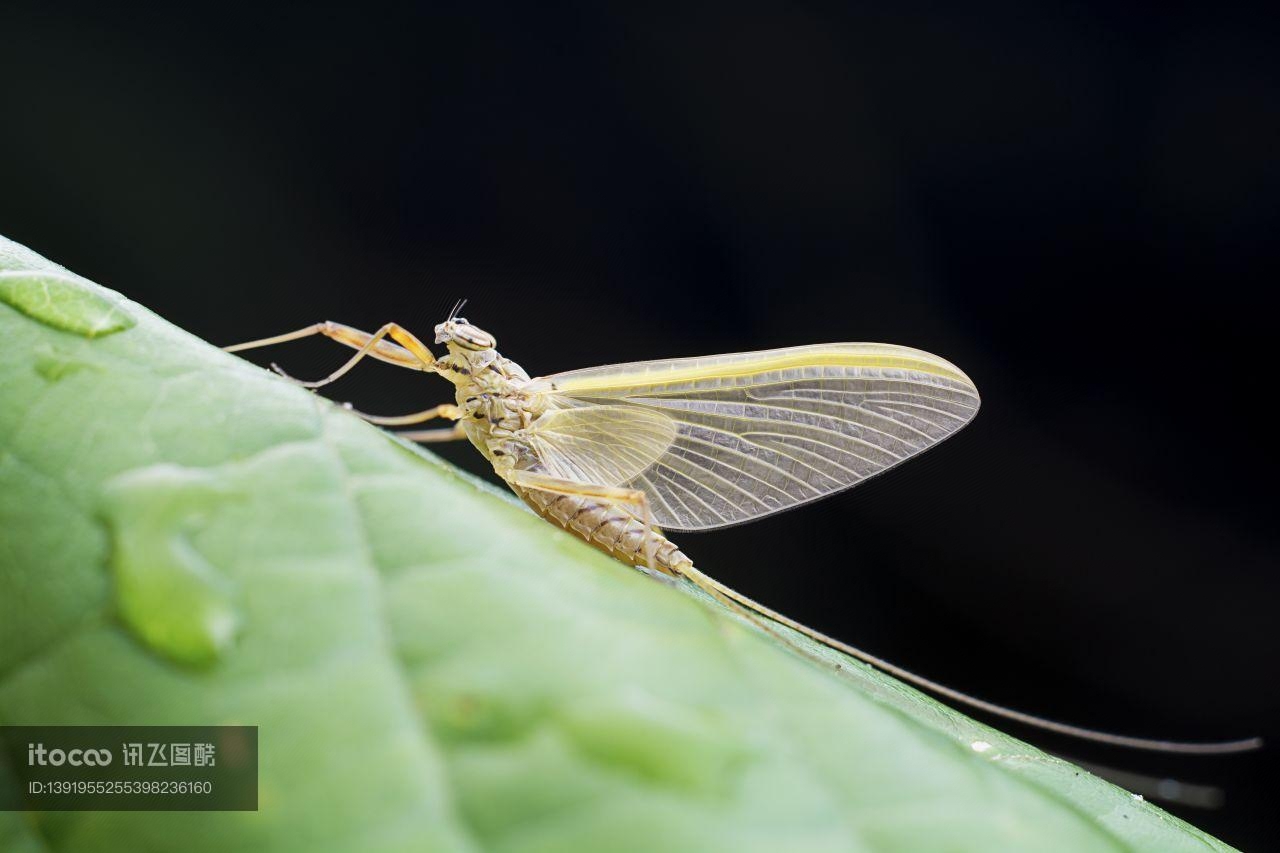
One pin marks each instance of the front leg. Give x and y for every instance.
(411, 352)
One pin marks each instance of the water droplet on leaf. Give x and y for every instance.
(166, 592)
(61, 301)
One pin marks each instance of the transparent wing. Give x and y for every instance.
(606, 445)
(757, 433)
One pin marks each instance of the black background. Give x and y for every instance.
(1076, 204)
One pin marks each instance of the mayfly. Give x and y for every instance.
(620, 454)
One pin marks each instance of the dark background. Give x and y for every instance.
(1076, 204)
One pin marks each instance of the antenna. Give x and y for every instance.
(457, 306)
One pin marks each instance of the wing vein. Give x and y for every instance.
(725, 439)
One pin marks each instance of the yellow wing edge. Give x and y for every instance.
(677, 370)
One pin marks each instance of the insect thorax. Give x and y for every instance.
(490, 392)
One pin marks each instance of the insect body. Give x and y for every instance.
(619, 454)
(614, 453)
(517, 426)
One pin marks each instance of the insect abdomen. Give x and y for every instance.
(608, 526)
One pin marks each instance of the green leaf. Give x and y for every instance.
(187, 539)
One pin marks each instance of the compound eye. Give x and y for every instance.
(472, 338)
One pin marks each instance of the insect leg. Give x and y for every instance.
(354, 338)
(426, 361)
(429, 436)
(411, 353)
(444, 410)
(547, 483)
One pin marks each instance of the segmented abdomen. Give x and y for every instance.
(612, 528)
